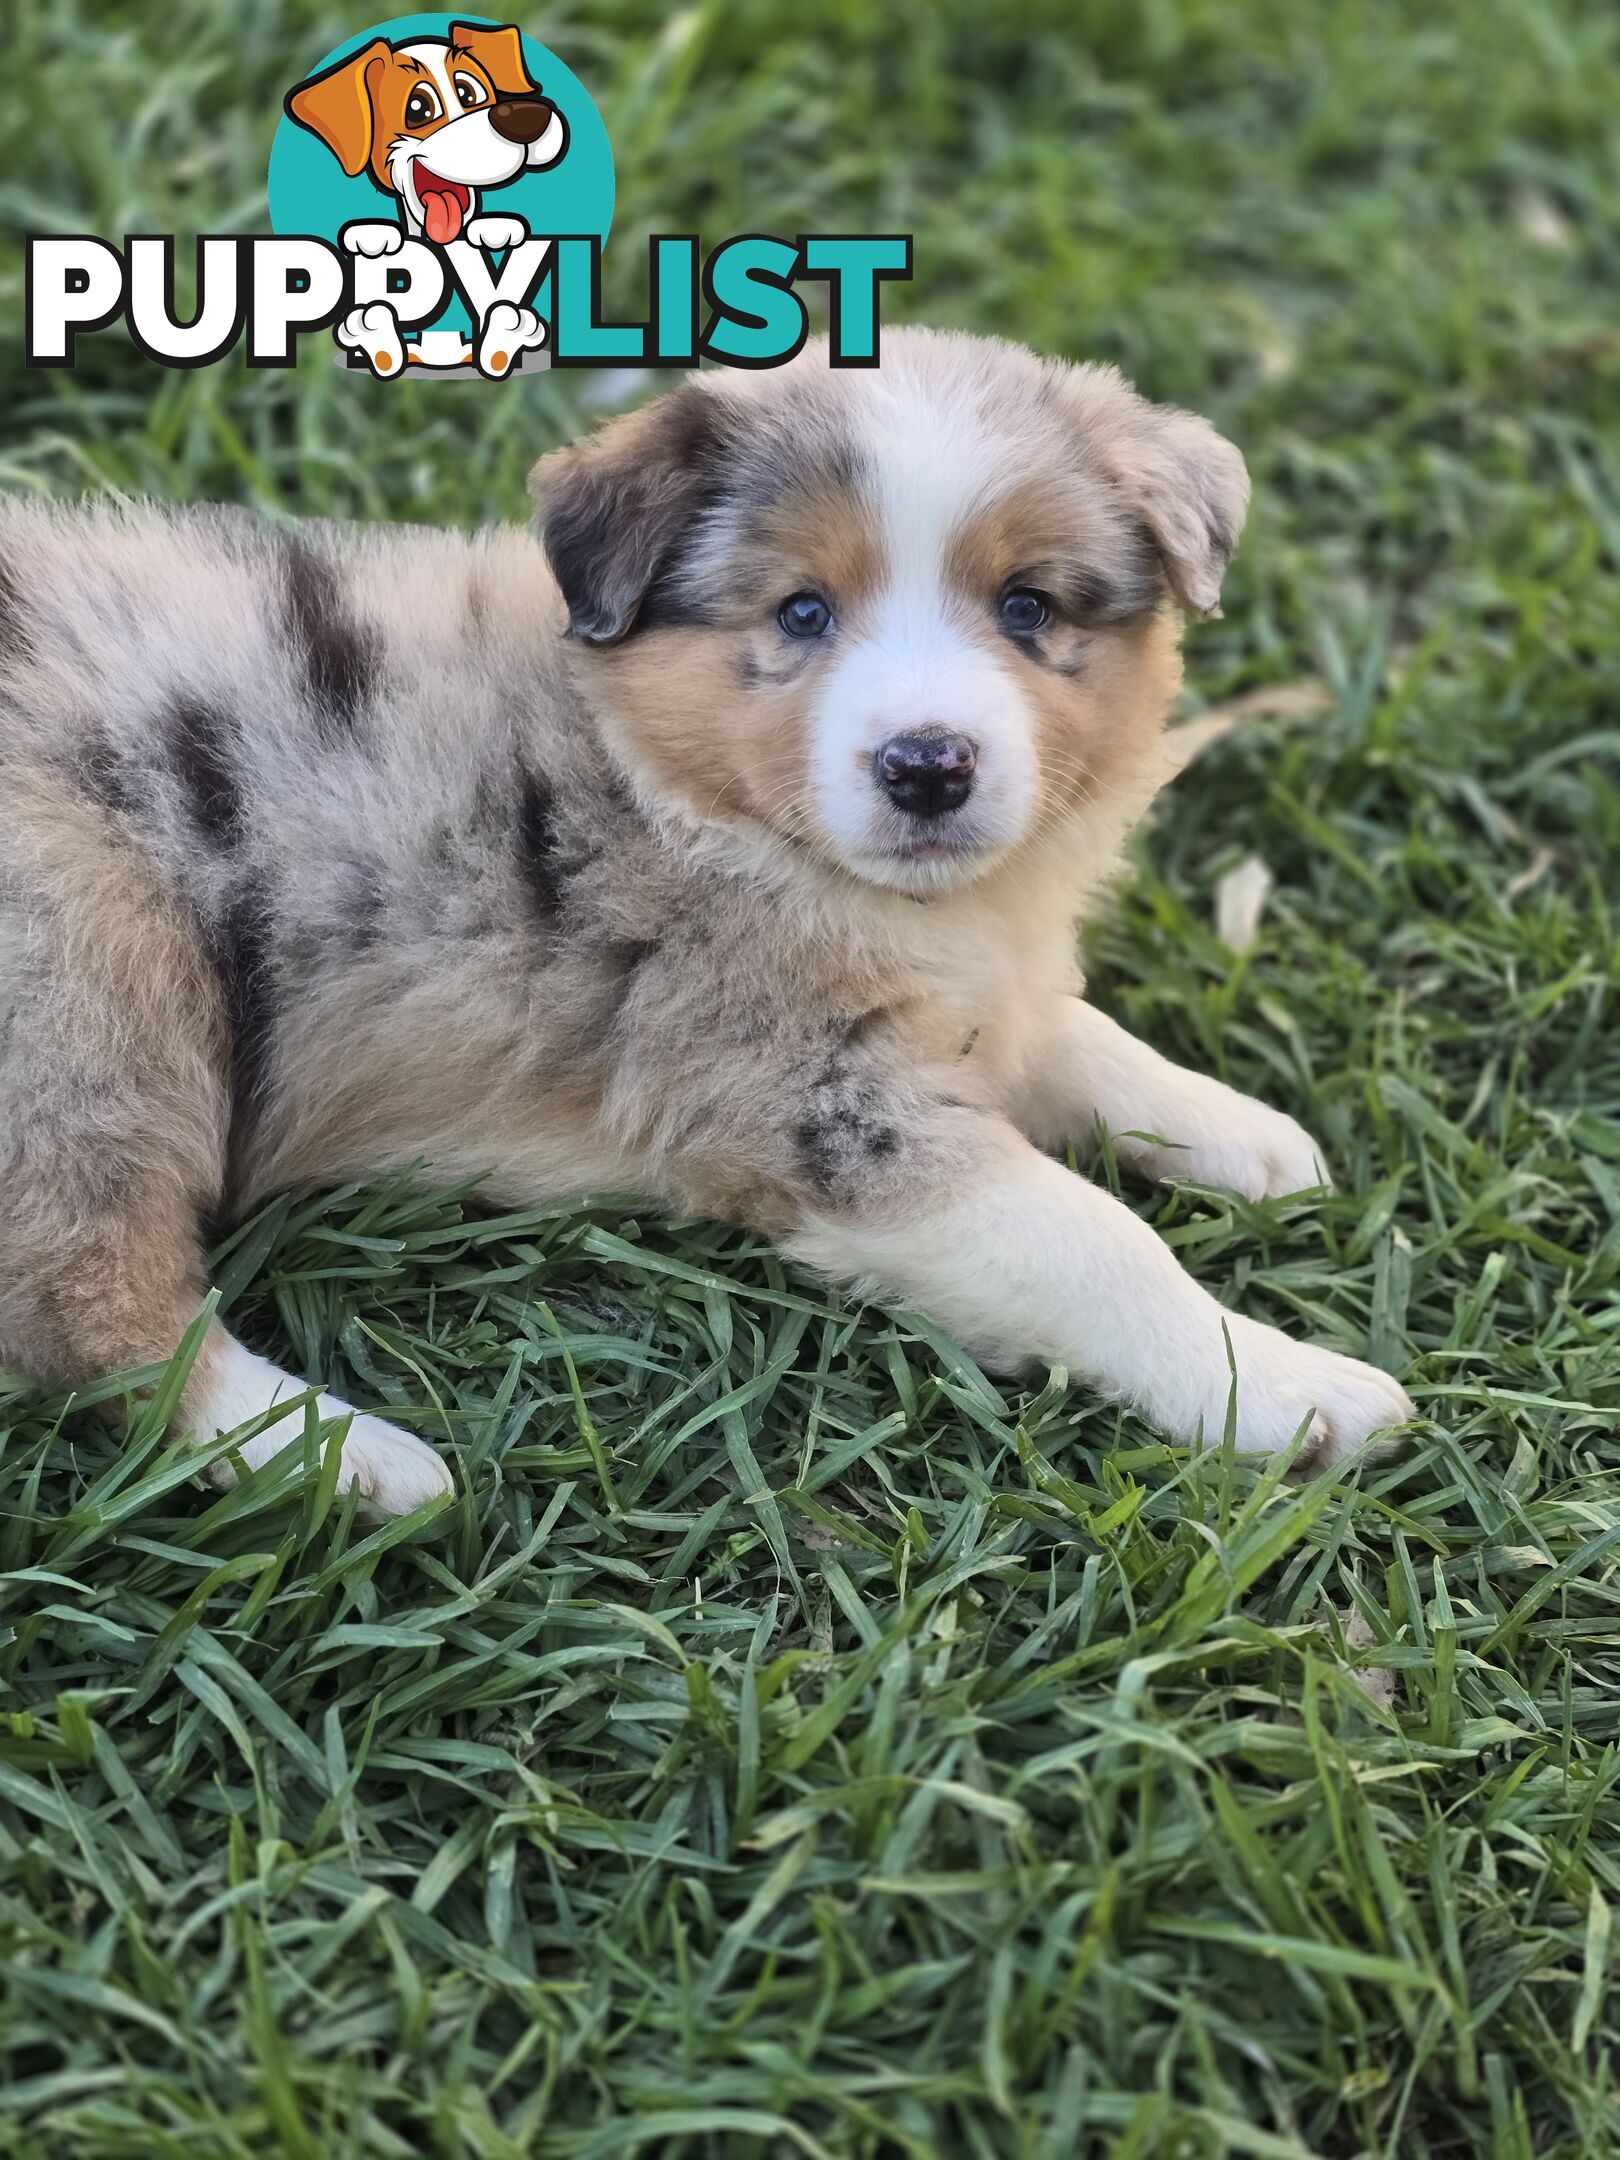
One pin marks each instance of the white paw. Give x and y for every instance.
(492, 231)
(365, 238)
(1224, 1138)
(508, 331)
(1281, 1383)
(393, 1471)
(374, 331)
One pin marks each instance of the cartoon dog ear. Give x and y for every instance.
(336, 106)
(1188, 485)
(616, 510)
(498, 52)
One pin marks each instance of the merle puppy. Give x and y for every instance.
(726, 846)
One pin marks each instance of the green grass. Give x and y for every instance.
(788, 1743)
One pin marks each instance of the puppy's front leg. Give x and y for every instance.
(1091, 1072)
(1020, 1259)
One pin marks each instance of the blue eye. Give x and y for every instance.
(1024, 610)
(805, 614)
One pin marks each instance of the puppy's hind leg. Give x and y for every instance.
(114, 1120)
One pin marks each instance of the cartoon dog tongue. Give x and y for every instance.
(441, 206)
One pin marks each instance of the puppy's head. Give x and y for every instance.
(905, 617)
(434, 118)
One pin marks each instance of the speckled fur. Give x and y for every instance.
(328, 850)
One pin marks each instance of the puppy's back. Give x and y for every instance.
(215, 681)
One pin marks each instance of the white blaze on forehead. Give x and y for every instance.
(932, 469)
(435, 62)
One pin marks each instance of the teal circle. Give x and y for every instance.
(311, 193)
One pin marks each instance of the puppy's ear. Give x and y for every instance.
(1188, 485)
(616, 510)
(337, 106)
(498, 52)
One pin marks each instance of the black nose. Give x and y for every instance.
(926, 771)
(522, 120)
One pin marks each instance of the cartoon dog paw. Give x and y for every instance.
(367, 238)
(374, 331)
(496, 232)
(508, 331)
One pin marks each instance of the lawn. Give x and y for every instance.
(789, 1742)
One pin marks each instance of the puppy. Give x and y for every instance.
(434, 121)
(735, 860)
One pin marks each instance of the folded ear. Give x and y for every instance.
(498, 52)
(337, 107)
(1188, 485)
(616, 510)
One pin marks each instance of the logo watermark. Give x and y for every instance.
(440, 192)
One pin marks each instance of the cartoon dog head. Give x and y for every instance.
(434, 120)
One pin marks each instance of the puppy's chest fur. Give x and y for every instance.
(438, 925)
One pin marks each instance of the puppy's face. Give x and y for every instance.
(906, 617)
(434, 119)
